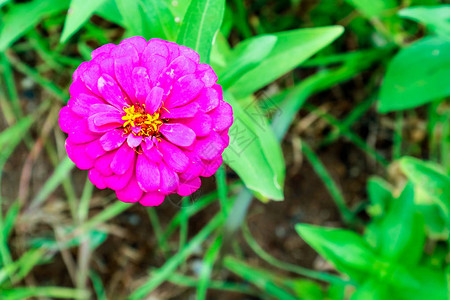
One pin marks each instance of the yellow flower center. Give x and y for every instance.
(136, 117)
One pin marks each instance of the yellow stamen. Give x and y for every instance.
(136, 117)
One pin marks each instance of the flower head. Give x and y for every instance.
(146, 119)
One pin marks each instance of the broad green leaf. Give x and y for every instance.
(436, 18)
(130, 10)
(254, 153)
(3, 2)
(291, 49)
(246, 57)
(79, 12)
(22, 17)
(159, 21)
(200, 25)
(346, 250)
(418, 283)
(429, 178)
(416, 75)
(372, 289)
(401, 233)
(373, 8)
(307, 289)
(109, 11)
(434, 221)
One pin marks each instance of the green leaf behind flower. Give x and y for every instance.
(254, 153)
(291, 49)
(200, 25)
(79, 12)
(23, 17)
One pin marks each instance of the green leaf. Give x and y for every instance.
(416, 75)
(22, 17)
(246, 56)
(159, 21)
(200, 25)
(373, 8)
(431, 180)
(307, 289)
(109, 11)
(291, 49)
(380, 196)
(372, 289)
(418, 283)
(401, 234)
(254, 153)
(434, 221)
(346, 250)
(79, 13)
(130, 11)
(436, 18)
(3, 2)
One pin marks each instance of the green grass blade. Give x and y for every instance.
(286, 266)
(156, 225)
(98, 286)
(242, 288)
(48, 291)
(163, 273)
(329, 183)
(262, 279)
(207, 267)
(61, 172)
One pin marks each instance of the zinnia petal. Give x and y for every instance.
(152, 199)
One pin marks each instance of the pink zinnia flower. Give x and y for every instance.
(146, 119)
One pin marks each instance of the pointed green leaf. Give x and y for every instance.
(431, 180)
(109, 11)
(254, 153)
(130, 10)
(246, 56)
(436, 18)
(373, 8)
(401, 234)
(346, 250)
(291, 49)
(380, 196)
(417, 75)
(22, 17)
(159, 21)
(200, 25)
(79, 13)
